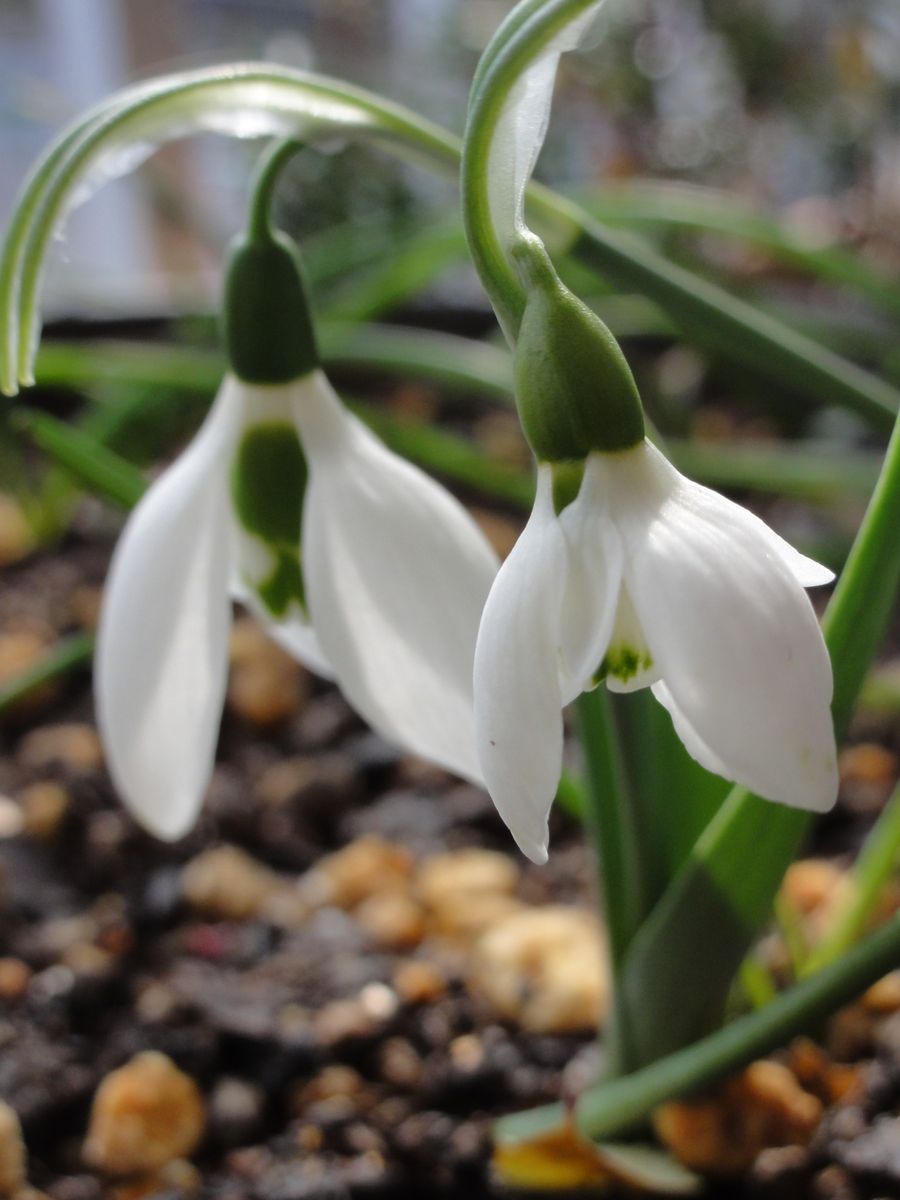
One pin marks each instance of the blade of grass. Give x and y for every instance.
(406, 272)
(96, 468)
(707, 210)
(718, 321)
(64, 656)
(799, 469)
(611, 1108)
(873, 870)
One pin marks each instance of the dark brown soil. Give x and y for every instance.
(239, 1005)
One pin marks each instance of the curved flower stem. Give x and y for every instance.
(610, 1108)
(262, 191)
(515, 45)
(151, 112)
(307, 106)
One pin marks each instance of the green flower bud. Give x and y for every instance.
(574, 390)
(267, 325)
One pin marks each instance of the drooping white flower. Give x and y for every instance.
(362, 566)
(648, 579)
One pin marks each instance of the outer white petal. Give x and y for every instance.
(691, 740)
(162, 652)
(522, 127)
(518, 703)
(592, 583)
(731, 631)
(397, 574)
(806, 571)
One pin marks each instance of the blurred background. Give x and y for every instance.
(791, 105)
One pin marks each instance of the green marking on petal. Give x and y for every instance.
(268, 482)
(283, 586)
(567, 477)
(623, 663)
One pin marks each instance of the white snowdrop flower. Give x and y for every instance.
(649, 580)
(358, 563)
(644, 579)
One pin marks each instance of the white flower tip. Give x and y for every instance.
(815, 575)
(169, 822)
(534, 848)
(169, 825)
(815, 785)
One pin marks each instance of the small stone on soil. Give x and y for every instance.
(44, 807)
(73, 746)
(419, 981)
(367, 867)
(13, 1158)
(392, 920)
(543, 968)
(722, 1134)
(16, 535)
(266, 686)
(228, 884)
(145, 1115)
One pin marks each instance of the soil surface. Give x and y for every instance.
(348, 1031)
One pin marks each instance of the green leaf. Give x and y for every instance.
(669, 206)
(872, 872)
(674, 797)
(675, 979)
(99, 470)
(409, 268)
(64, 656)
(720, 322)
(621, 1106)
(650, 1169)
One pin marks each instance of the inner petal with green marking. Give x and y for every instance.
(268, 484)
(628, 663)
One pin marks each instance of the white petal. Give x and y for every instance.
(397, 574)
(731, 631)
(518, 704)
(522, 126)
(162, 653)
(592, 583)
(690, 739)
(806, 571)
